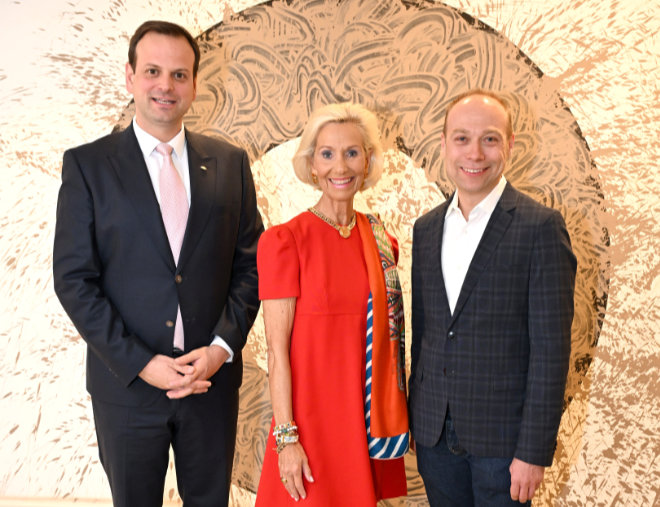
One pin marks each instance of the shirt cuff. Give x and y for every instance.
(221, 343)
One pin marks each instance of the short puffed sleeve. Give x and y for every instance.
(278, 264)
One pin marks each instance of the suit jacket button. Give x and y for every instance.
(451, 335)
(169, 323)
(178, 279)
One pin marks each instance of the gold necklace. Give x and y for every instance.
(344, 230)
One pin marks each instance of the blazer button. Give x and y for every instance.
(169, 323)
(178, 279)
(451, 335)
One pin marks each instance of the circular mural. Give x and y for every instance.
(265, 69)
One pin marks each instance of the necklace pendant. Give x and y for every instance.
(343, 230)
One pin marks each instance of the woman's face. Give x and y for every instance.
(339, 161)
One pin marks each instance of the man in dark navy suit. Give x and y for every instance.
(155, 263)
(493, 276)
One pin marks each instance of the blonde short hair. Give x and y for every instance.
(345, 112)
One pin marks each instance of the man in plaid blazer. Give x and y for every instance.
(493, 276)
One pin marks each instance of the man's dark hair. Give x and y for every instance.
(163, 28)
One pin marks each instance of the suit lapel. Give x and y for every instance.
(497, 225)
(203, 175)
(439, 230)
(133, 175)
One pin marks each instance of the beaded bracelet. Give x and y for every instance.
(285, 428)
(285, 434)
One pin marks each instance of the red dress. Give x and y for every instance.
(307, 259)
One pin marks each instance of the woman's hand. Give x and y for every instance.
(293, 466)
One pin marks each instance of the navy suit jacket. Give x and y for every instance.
(499, 362)
(114, 272)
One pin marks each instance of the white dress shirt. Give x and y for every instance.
(154, 161)
(461, 237)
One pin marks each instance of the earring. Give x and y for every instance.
(315, 180)
(366, 174)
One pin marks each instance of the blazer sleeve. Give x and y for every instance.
(551, 287)
(78, 272)
(417, 304)
(242, 305)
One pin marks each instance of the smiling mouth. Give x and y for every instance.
(164, 102)
(340, 182)
(471, 170)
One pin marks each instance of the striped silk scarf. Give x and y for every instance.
(385, 391)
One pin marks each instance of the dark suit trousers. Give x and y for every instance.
(134, 447)
(455, 478)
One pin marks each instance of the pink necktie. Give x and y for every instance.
(174, 209)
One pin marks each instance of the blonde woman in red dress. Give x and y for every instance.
(334, 325)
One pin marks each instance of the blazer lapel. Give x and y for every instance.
(203, 174)
(133, 175)
(439, 230)
(497, 225)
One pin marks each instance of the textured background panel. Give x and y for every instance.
(591, 63)
(264, 71)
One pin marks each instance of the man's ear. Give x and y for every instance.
(129, 78)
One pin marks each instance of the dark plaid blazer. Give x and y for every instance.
(500, 361)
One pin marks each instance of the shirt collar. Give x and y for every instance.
(487, 204)
(148, 142)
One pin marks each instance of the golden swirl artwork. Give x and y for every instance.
(266, 68)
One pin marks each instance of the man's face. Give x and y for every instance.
(475, 147)
(162, 84)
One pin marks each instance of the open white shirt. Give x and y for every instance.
(461, 237)
(154, 161)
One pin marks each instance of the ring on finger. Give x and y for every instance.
(283, 479)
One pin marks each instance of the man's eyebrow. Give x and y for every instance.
(488, 131)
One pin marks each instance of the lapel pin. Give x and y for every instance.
(203, 168)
